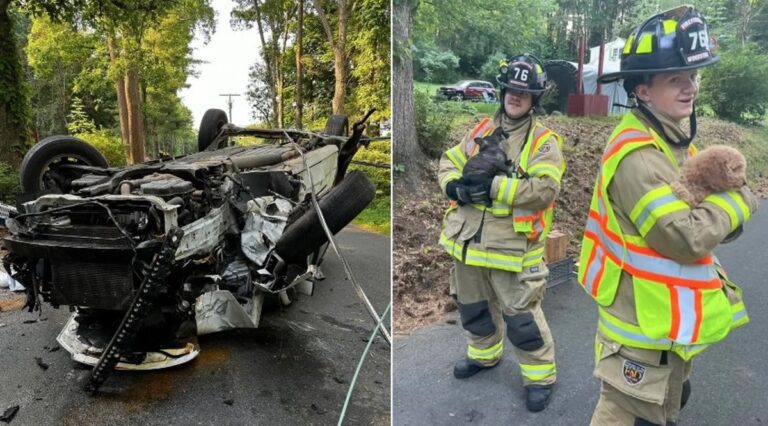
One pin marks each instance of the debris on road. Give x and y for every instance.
(41, 364)
(9, 414)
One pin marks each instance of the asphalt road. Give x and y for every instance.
(730, 380)
(295, 369)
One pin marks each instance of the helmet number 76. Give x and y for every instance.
(523, 77)
(701, 38)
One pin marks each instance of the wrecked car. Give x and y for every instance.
(149, 256)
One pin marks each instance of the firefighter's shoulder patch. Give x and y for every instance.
(545, 148)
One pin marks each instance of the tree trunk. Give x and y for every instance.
(339, 46)
(13, 126)
(299, 66)
(135, 122)
(340, 73)
(122, 106)
(406, 147)
(279, 93)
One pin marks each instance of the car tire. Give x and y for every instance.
(337, 125)
(342, 204)
(37, 161)
(210, 126)
(459, 97)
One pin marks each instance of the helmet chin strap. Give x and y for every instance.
(660, 128)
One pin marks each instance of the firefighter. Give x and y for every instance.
(646, 256)
(502, 181)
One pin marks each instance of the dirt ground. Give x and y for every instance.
(420, 267)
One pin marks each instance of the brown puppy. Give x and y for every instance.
(716, 169)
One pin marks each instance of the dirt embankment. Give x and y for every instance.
(420, 267)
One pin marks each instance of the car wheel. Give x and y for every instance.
(459, 97)
(337, 125)
(210, 126)
(38, 168)
(342, 204)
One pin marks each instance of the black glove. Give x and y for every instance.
(470, 190)
(491, 159)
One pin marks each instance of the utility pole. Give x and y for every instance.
(229, 102)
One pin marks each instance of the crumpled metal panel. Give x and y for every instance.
(218, 310)
(202, 235)
(86, 354)
(266, 220)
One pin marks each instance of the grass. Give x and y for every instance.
(376, 217)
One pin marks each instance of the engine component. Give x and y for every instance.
(167, 187)
(92, 285)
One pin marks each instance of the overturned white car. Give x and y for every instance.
(149, 256)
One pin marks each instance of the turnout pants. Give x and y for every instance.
(638, 386)
(493, 303)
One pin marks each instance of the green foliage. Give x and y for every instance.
(434, 64)
(490, 68)
(14, 110)
(736, 89)
(9, 183)
(108, 143)
(474, 30)
(377, 152)
(79, 122)
(435, 121)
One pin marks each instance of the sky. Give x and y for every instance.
(228, 57)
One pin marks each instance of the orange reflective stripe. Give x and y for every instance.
(675, 327)
(538, 138)
(484, 128)
(625, 137)
(603, 221)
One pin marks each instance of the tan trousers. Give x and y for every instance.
(637, 384)
(493, 303)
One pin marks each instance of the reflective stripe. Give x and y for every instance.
(453, 175)
(482, 258)
(687, 318)
(653, 205)
(670, 25)
(537, 372)
(507, 189)
(484, 128)
(628, 44)
(652, 266)
(539, 136)
(627, 333)
(646, 44)
(457, 157)
(740, 314)
(626, 136)
(489, 354)
(595, 265)
(733, 205)
(540, 170)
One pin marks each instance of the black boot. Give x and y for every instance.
(537, 397)
(686, 393)
(468, 368)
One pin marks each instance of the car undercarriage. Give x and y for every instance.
(149, 256)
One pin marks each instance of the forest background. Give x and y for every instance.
(110, 72)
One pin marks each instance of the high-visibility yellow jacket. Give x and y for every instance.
(646, 255)
(510, 234)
